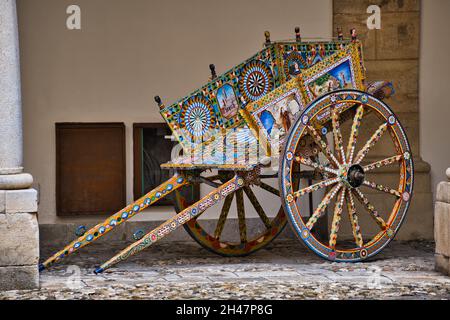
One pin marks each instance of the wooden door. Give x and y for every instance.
(90, 168)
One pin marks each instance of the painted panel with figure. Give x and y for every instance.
(227, 101)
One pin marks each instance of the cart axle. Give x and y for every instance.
(355, 176)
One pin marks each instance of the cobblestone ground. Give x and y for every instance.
(284, 270)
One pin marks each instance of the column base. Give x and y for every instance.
(19, 240)
(15, 181)
(442, 228)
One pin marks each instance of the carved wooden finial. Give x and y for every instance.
(212, 67)
(340, 34)
(298, 37)
(353, 34)
(159, 102)
(267, 35)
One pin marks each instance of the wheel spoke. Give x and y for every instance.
(209, 182)
(312, 164)
(269, 188)
(370, 143)
(213, 178)
(251, 196)
(268, 176)
(241, 215)
(370, 208)
(337, 218)
(354, 133)
(223, 216)
(383, 163)
(338, 144)
(311, 201)
(316, 186)
(382, 188)
(322, 206)
(322, 145)
(356, 229)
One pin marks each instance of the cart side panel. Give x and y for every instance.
(271, 117)
(197, 117)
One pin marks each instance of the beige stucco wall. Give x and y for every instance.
(435, 87)
(129, 51)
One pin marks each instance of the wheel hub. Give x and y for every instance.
(355, 176)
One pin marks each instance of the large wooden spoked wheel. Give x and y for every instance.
(241, 238)
(357, 228)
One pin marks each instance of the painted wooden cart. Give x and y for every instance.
(297, 112)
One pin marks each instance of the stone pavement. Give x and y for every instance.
(283, 270)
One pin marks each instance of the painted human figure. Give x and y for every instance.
(295, 68)
(344, 82)
(285, 119)
(353, 34)
(288, 111)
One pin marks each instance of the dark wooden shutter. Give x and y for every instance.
(151, 149)
(90, 168)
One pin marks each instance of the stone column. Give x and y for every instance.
(19, 235)
(442, 226)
